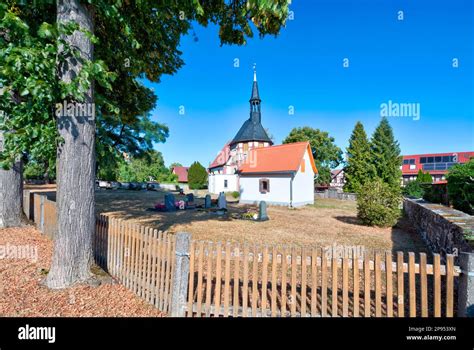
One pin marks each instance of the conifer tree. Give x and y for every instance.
(386, 154)
(197, 176)
(359, 167)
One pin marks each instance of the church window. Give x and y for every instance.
(264, 185)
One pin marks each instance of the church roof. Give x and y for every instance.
(251, 130)
(274, 159)
(222, 157)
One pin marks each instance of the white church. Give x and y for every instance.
(251, 165)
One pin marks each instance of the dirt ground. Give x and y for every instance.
(22, 294)
(328, 222)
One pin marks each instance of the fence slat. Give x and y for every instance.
(400, 288)
(411, 283)
(367, 307)
(210, 259)
(303, 282)
(154, 280)
(284, 270)
(355, 272)
(293, 281)
(162, 271)
(264, 280)
(437, 285)
(424, 286)
(389, 283)
(199, 279)
(378, 286)
(245, 289)
(217, 297)
(236, 281)
(324, 284)
(169, 261)
(255, 281)
(345, 286)
(334, 262)
(314, 282)
(191, 279)
(449, 285)
(227, 280)
(274, 281)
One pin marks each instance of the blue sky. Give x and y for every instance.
(407, 61)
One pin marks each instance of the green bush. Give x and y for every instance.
(414, 189)
(436, 194)
(235, 194)
(197, 176)
(378, 204)
(461, 186)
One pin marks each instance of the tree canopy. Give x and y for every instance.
(326, 154)
(359, 168)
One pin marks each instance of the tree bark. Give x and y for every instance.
(11, 193)
(72, 255)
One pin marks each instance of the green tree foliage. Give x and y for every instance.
(422, 177)
(378, 204)
(149, 167)
(414, 189)
(419, 186)
(326, 154)
(386, 154)
(197, 176)
(461, 186)
(359, 168)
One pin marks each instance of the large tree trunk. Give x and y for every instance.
(72, 255)
(11, 193)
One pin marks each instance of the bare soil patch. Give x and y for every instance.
(22, 294)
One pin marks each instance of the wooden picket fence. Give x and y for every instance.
(231, 280)
(141, 258)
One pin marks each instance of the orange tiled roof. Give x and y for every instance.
(282, 158)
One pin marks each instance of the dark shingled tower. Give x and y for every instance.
(252, 129)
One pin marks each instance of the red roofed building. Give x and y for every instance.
(182, 172)
(259, 171)
(437, 164)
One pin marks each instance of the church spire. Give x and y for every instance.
(255, 101)
(252, 129)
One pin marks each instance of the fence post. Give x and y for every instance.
(41, 228)
(181, 275)
(466, 285)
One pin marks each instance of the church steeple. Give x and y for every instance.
(255, 113)
(252, 129)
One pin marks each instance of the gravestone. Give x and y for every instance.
(207, 201)
(190, 197)
(169, 202)
(221, 201)
(262, 211)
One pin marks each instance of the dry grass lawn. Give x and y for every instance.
(326, 223)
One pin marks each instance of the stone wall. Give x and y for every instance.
(334, 194)
(442, 228)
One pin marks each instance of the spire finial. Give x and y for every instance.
(254, 72)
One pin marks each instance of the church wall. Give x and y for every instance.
(303, 184)
(216, 183)
(279, 193)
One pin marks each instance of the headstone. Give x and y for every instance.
(169, 202)
(221, 201)
(190, 197)
(262, 211)
(207, 201)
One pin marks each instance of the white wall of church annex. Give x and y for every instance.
(217, 183)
